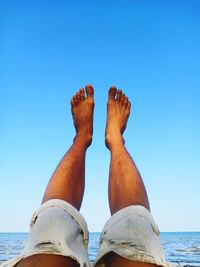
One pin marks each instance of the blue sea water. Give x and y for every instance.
(182, 248)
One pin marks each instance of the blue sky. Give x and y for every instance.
(151, 50)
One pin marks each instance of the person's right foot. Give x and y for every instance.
(82, 112)
(118, 111)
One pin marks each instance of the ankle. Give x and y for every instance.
(115, 139)
(84, 139)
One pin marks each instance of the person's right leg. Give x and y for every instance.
(126, 187)
(67, 181)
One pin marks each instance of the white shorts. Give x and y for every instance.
(56, 228)
(132, 234)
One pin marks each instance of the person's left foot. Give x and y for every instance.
(118, 111)
(82, 113)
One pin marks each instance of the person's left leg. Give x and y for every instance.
(126, 187)
(67, 181)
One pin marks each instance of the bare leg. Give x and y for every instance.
(67, 182)
(125, 183)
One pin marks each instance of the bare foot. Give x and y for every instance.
(82, 108)
(118, 111)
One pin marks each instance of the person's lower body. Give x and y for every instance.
(57, 223)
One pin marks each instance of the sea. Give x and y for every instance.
(182, 248)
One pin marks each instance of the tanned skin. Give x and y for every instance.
(68, 181)
(125, 183)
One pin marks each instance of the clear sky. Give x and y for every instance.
(151, 50)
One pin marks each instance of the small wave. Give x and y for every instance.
(192, 249)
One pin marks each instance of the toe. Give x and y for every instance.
(78, 97)
(126, 101)
(112, 92)
(129, 105)
(119, 95)
(89, 90)
(122, 99)
(75, 100)
(72, 102)
(82, 94)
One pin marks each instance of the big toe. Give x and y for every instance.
(89, 90)
(112, 92)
